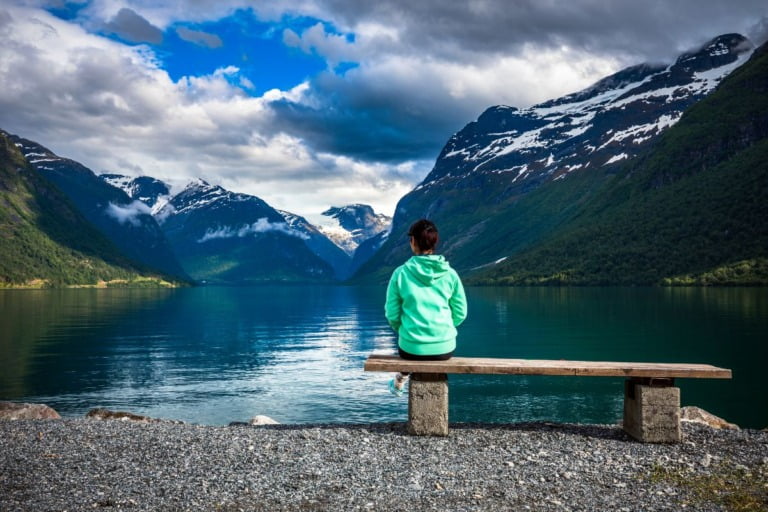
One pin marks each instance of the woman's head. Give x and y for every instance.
(424, 236)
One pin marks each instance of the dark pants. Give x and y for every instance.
(414, 357)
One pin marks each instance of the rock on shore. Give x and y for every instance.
(88, 464)
(698, 415)
(22, 411)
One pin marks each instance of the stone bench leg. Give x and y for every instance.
(652, 410)
(428, 404)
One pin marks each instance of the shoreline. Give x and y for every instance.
(79, 464)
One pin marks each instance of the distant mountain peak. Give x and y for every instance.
(717, 52)
(356, 223)
(150, 191)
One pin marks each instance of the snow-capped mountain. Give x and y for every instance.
(150, 191)
(485, 169)
(354, 224)
(601, 125)
(223, 236)
(320, 244)
(209, 202)
(127, 223)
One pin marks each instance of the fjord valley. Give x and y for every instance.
(201, 234)
(655, 175)
(205, 213)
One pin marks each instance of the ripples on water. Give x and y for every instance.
(215, 355)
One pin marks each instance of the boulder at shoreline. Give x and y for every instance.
(698, 415)
(23, 411)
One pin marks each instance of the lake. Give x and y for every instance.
(212, 355)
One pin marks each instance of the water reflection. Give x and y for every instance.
(34, 322)
(214, 355)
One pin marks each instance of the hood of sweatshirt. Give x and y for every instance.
(427, 269)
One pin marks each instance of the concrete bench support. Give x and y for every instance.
(652, 410)
(428, 404)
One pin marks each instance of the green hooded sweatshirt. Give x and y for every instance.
(425, 304)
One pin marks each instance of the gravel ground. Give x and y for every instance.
(58, 465)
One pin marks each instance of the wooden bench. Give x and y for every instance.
(651, 401)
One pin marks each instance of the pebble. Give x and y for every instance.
(92, 464)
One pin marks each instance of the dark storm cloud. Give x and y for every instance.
(199, 38)
(350, 116)
(130, 26)
(654, 29)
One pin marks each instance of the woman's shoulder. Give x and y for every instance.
(398, 270)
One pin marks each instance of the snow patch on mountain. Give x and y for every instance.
(607, 122)
(150, 191)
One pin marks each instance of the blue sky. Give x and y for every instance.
(239, 39)
(313, 103)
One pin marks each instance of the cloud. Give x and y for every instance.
(335, 48)
(425, 69)
(130, 26)
(128, 213)
(199, 38)
(260, 226)
(402, 108)
(462, 31)
(361, 132)
(758, 32)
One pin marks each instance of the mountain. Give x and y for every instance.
(514, 177)
(358, 230)
(320, 244)
(126, 222)
(156, 194)
(367, 249)
(150, 191)
(601, 125)
(226, 237)
(692, 210)
(355, 224)
(44, 240)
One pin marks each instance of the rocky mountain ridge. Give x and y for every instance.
(356, 223)
(46, 241)
(128, 223)
(601, 125)
(213, 206)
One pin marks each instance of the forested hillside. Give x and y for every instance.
(692, 210)
(44, 241)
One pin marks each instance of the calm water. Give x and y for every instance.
(214, 355)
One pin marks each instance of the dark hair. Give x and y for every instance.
(424, 233)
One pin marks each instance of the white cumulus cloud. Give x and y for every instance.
(128, 213)
(260, 226)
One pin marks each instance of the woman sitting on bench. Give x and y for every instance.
(425, 302)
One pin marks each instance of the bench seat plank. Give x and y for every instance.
(479, 365)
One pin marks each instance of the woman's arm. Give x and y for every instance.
(393, 307)
(458, 303)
